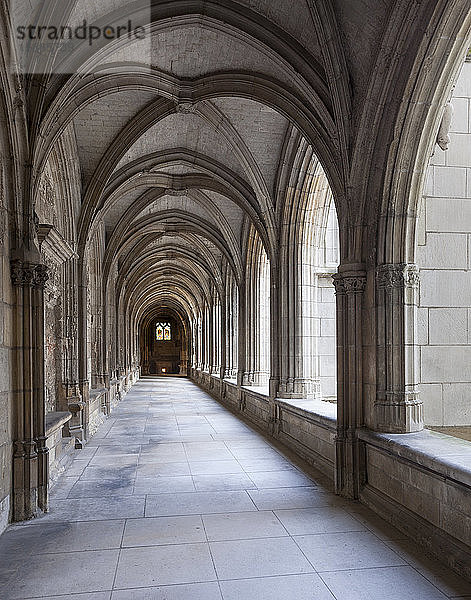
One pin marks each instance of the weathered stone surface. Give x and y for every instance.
(271, 178)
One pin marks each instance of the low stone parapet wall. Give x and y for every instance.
(421, 483)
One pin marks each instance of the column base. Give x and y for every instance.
(255, 378)
(297, 388)
(25, 481)
(231, 374)
(350, 460)
(404, 414)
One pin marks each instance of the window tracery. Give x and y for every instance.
(163, 332)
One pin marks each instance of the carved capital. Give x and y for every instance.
(24, 449)
(25, 274)
(18, 449)
(398, 275)
(41, 276)
(412, 276)
(30, 449)
(339, 284)
(349, 283)
(356, 284)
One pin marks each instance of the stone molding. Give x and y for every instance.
(399, 413)
(297, 387)
(349, 283)
(26, 274)
(24, 449)
(398, 275)
(53, 245)
(397, 407)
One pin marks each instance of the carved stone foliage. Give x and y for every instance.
(56, 252)
(397, 276)
(349, 284)
(28, 274)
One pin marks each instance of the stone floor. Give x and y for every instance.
(176, 499)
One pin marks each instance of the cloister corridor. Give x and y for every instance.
(175, 498)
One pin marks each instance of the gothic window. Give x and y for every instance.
(163, 332)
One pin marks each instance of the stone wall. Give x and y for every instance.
(6, 394)
(326, 306)
(326, 343)
(422, 485)
(444, 259)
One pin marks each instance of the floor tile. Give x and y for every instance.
(198, 503)
(395, 583)
(77, 467)
(86, 596)
(330, 519)
(164, 565)
(108, 472)
(263, 453)
(230, 481)
(73, 551)
(95, 509)
(374, 523)
(245, 525)
(447, 581)
(67, 573)
(169, 469)
(204, 446)
(302, 497)
(216, 467)
(163, 531)
(296, 587)
(114, 460)
(203, 454)
(193, 591)
(342, 551)
(178, 456)
(251, 465)
(102, 488)
(41, 537)
(163, 485)
(258, 558)
(62, 487)
(253, 442)
(280, 479)
(116, 450)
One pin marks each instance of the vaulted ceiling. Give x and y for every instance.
(184, 140)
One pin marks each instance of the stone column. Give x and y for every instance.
(197, 344)
(30, 453)
(39, 387)
(216, 337)
(298, 378)
(228, 344)
(242, 336)
(223, 322)
(350, 283)
(210, 337)
(298, 303)
(397, 407)
(250, 328)
(233, 335)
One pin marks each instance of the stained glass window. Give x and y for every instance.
(163, 332)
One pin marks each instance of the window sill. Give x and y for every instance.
(447, 456)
